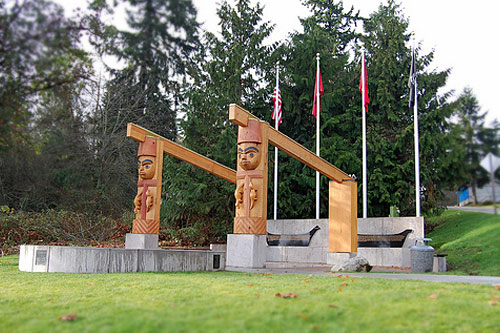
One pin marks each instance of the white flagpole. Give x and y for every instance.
(317, 132)
(417, 151)
(363, 111)
(276, 125)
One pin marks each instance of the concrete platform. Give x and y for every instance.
(68, 259)
(317, 251)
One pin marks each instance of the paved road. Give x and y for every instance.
(475, 209)
(493, 280)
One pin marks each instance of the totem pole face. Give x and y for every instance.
(249, 155)
(146, 166)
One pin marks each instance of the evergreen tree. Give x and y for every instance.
(391, 175)
(233, 71)
(477, 139)
(157, 48)
(328, 31)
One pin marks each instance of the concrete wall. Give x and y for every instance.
(317, 252)
(66, 259)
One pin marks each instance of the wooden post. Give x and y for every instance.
(148, 198)
(251, 179)
(343, 217)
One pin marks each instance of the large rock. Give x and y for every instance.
(354, 264)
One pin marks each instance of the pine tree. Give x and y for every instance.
(477, 139)
(231, 72)
(391, 175)
(157, 49)
(328, 31)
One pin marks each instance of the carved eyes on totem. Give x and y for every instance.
(145, 164)
(250, 152)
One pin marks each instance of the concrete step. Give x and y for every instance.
(294, 264)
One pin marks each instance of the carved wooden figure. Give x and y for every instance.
(147, 200)
(251, 179)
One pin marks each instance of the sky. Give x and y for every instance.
(461, 32)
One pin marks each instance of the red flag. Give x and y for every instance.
(318, 75)
(363, 83)
(277, 104)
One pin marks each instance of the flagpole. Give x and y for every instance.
(317, 132)
(363, 111)
(417, 150)
(276, 125)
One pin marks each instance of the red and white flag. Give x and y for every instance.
(318, 79)
(277, 104)
(363, 84)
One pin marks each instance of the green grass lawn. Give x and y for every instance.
(235, 302)
(471, 240)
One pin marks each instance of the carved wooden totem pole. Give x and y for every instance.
(148, 198)
(251, 179)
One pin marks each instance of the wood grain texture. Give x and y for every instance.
(138, 133)
(240, 116)
(343, 216)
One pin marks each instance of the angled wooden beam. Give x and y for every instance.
(139, 133)
(240, 116)
(304, 155)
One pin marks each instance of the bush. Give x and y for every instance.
(53, 227)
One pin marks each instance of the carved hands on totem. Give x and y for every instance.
(138, 201)
(238, 194)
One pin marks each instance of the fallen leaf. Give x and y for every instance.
(172, 305)
(332, 306)
(303, 315)
(269, 277)
(497, 287)
(49, 299)
(257, 294)
(492, 303)
(250, 285)
(315, 327)
(434, 296)
(69, 317)
(314, 288)
(495, 297)
(346, 276)
(306, 281)
(91, 283)
(289, 295)
(479, 252)
(8, 262)
(339, 289)
(345, 284)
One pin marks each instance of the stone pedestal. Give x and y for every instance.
(338, 258)
(141, 241)
(246, 251)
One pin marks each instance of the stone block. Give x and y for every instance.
(218, 247)
(246, 251)
(439, 265)
(338, 258)
(141, 241)
(123, 260)
(307, 254)
(69, 259)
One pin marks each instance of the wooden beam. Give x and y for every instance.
(304, 155)
(240, 116)
(139, 134)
